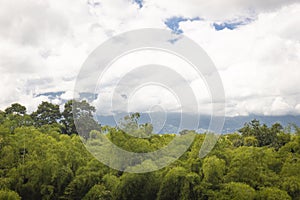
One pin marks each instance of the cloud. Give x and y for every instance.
(258, 62)
(43, 45)
(254, 44)
(126, 79)
(217, 9)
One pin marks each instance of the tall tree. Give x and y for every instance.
(15, 116)
(82, 108)
(16, 108)
(213, 170)
(68, 118)
(82, 113)
(47, 113)
(265, 136)
(79, 110)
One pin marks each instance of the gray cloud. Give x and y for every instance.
(31, 23)
(44, 43)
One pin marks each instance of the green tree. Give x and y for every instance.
(213, 170)
(16, 108)
(9, 195)
(83, 118)
(98, 192)
(235, 139)
(272, 193)
(250, 141)
(236, 191)
(77, 109)
(47, 113)
(15, 116)
(191, 190)
(281, 140)
(41, 163)
(2, 116)
(110, 181)
(129, 124)
(68, 118)
(264, 135)
(292, 186)
(253, 166)
(86, 177)
(172, 184)
(136, 187)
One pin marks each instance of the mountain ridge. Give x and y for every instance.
(231, 124)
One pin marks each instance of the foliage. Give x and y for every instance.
(236, 191)
(213, 170)
(47, 113)
(272, 193)
(16, 109)
(68, 118)
(42, 157)
(98, 192)
(9, 195)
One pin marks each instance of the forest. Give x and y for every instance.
(43, 157)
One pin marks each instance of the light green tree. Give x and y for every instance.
(213, 170)
(236, 191)
(272, 193)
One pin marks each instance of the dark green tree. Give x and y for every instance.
(292, 186)
(83, 119)
(16, 108)
(265, 136)
(15, 116)
(47, 113)
(81, 108)
(68, 118)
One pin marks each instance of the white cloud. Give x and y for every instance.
(258, 62)
(44, 43)
(68, 95)
(218, 9)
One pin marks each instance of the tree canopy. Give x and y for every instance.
(43, 157)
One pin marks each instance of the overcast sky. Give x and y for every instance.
(255, 45)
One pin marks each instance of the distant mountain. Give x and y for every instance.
(51, 95)
(58, 96)
(172, 122)
(231, 124)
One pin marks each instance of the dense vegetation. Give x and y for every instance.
(42, 157)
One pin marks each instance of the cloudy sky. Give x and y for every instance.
(254, 44)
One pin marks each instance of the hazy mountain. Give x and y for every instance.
(172, 120)
(232, 124)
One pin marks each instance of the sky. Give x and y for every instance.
(254, 44)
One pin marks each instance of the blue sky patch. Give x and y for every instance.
(231, 25)
(173, 23)
(139, 2)
(94, 3)
(172, 41)
(51, 95)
